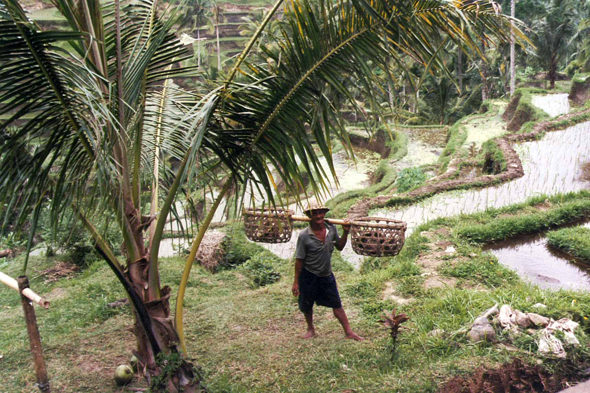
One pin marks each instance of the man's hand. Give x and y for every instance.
(295, 289)
(346, 225)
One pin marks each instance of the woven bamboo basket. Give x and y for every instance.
(268, 226)
(377, 236)
(371, 236)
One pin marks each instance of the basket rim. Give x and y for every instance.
(389, 222)
(268, 212)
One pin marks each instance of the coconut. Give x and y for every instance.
(123, 375)
(133, 363)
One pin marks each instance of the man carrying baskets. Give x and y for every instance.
(314, 281)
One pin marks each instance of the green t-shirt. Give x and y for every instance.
(316, 256)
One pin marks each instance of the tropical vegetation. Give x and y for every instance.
(96, 129)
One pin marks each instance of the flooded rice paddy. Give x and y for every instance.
(552, 104)
(552, 165)
(542, 264)
(485, 127)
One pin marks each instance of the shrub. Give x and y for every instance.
(238, 250)
(410, 178)
(260, 271)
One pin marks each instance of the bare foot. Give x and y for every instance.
(354, 336)
(309, 334)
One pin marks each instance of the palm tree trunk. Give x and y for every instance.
(217, 34)
(512, 51)
(198, 42)
(484, 72)
(460, 69)
(159, 325)
(553, 72)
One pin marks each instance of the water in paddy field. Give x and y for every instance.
(552, 165)
(553, 104)
(531, 257)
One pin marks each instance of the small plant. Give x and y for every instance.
(393, 323)
(170, 364)
(410, 178)
(260, 270)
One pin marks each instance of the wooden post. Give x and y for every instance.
(34, 337)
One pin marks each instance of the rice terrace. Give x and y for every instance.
(295, 196)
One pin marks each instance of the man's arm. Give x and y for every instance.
(343, 239)
(298, 267)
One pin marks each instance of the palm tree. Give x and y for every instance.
(216, 10)
(193, 12)
(200, 14)
(102, 124)
(553, 34)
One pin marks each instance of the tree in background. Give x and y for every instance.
(581, 62)
(103, 128)
(553, 34)
(193, 13)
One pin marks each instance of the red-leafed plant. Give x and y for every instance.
(393, 323)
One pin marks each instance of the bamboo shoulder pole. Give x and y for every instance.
(337, 221)
(392, 224)
(12, 283)
(329, 220)
(34, 337)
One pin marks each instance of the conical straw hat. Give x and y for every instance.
(315, 206)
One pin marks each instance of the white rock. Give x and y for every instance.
(436, 333)
(506, 317)
(548, 343)
(539, 305)
(567, 326)
(450, 250)
(538, 320)
(522, 319)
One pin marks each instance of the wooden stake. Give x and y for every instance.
(11, 282)
(34, 337)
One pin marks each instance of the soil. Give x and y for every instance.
(511, 108)
(389, 293)
(376, 144)
(585, 176)
(59, 271)
(439, 282)
(510, 377)
(579, 92)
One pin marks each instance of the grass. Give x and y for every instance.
(409, 179)
(245, 335)
(526, 114)
(574, 241)
(246, 340)
(500, 224)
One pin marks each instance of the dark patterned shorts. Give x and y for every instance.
(319, 290)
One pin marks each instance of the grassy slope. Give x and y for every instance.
(248, 340)
(575, 241)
